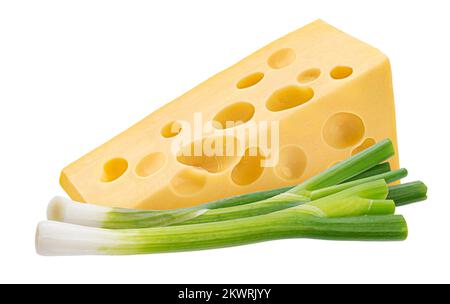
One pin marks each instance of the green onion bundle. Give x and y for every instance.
(349, 201)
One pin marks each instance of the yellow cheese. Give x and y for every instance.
(330, 94)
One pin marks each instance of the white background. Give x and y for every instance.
(75, 73)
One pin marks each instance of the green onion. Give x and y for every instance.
(324, 207)
(64, 210)
(408, 193)
(378, 169)
(349, 219)
(61, 209)
(55, 238)
(349, 201)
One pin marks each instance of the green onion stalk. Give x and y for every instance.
(358, 213)
(64, 210)
(349, 201)
(408, 193)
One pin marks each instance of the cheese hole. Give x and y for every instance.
(250, 80)
(341, 72)
(281, 58)
(151, 164)
(188, 182)
(249, 168)
(343, 130)
(289, 97)
(234, 115)
(292, 163)
(113, 169)
(215, 154)
(308, 75)
(369, 142)
(171, 129)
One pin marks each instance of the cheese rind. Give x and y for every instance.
(329, 92)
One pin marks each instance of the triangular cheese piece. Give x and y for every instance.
(319, 93)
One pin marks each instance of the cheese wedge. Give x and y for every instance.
(318, 94)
